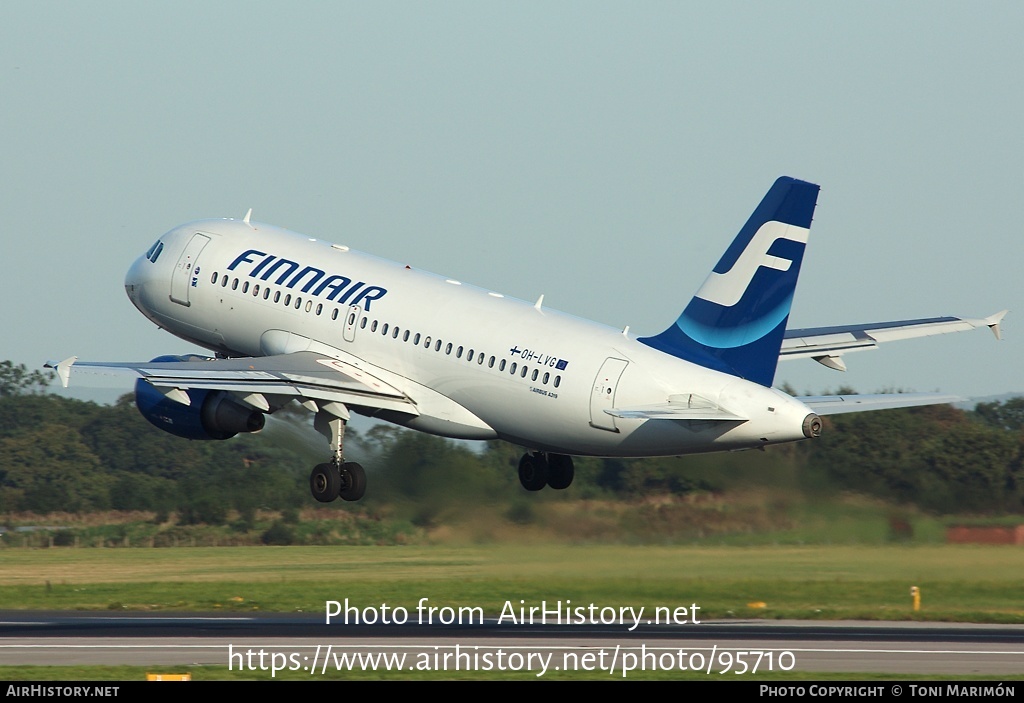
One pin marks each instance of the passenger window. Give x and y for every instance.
(256, 290)
(458, 353)
(523, 374)
(373, 327)
(362, 324)
(416, 339)
(384, 329)
(334, 316)
(405, 337)
(480, 359)
(224, 281)
(245, 287)
(558, 379)
(501, 365)
(266, 294)
(546, 377)
(277, 297)
(490, 363)
(512, 368)
(214, 279)
(234, 284)
(288, 300)
(533, 376)
(394, 334)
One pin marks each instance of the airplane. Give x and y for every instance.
(290, 317)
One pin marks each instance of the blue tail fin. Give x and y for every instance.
(736, 321)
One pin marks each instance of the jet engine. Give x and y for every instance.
(210, 414)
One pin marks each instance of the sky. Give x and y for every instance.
(603, 154)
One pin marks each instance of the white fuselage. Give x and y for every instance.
(257, 290)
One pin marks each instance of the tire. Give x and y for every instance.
(533, 472)
(560, 471)
(325, 482)
(353, 481)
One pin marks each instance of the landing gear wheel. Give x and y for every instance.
(533, 471)
(353, 481)
(325, 482)
(560, 471)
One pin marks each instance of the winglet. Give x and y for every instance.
(993, 322)
(63, 369)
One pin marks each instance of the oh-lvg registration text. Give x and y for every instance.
(521, 612)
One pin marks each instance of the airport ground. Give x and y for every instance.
(520, 587)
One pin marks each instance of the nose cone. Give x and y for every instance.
(135, 280)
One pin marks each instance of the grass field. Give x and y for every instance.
(958, 583)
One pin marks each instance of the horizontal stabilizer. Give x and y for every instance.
(839, 404)
(679, 407)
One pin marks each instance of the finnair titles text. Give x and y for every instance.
(314, 281)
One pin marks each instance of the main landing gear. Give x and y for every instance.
(330, 481)
(336, 478)
(541, 469)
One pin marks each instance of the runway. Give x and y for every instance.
(275, 642)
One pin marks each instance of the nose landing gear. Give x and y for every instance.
(336, 478)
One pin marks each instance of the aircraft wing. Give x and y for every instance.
(300, 375)
(827, 344)
(838, 404)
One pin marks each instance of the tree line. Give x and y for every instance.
(59, 454)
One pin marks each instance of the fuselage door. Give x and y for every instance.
(603, 395)
(351, 321)
(186, 271)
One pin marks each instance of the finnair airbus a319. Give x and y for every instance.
(289, 317)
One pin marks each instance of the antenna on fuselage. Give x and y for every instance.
(247, 216)
(540, 301)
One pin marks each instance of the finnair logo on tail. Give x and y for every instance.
(727, 288)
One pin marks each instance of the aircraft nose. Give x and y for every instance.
(140, 275)
(135, 279)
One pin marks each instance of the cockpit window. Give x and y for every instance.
(154, 251)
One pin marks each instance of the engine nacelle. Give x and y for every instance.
(210, 414)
